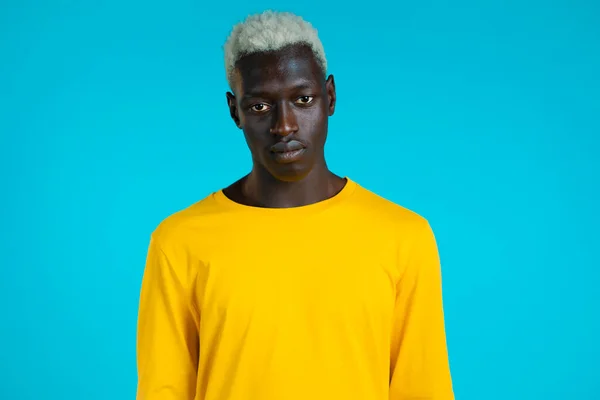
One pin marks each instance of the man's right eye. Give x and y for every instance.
(260, 107)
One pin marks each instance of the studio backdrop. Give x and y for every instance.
(482, 116)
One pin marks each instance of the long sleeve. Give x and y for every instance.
(419, 357)
(167, 338)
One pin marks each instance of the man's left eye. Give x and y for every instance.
(305, 100)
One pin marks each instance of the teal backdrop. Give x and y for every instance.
(113, 116)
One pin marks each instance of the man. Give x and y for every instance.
(292, 283)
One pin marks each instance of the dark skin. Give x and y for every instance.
(283, 97)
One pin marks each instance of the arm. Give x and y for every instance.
(167, 339)
(419, 368)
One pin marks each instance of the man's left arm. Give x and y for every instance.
(419, 368)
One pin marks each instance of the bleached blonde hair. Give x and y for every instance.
(270, 31)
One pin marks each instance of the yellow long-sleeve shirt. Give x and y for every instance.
(340, 299)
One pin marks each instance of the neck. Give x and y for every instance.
(262, 189)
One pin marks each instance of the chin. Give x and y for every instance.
(290, 173)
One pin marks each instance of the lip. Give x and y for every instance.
(287, 157)
(283, 147)
(288, 152)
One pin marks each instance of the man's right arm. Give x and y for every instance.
(167, 337)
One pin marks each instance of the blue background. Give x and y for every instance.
(113, 116)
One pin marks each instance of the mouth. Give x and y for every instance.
(287, 152)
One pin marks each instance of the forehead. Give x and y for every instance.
(278, 70)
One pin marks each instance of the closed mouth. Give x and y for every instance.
(287, 147)
(286, 157)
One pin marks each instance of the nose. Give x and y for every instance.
(285, 122)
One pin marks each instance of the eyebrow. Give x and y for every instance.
(260, 92)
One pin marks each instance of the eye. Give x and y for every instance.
(260, 107)
(305, 100)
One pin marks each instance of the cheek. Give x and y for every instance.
(257, 137)
(313, 126)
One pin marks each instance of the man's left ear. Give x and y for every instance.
(330, 86)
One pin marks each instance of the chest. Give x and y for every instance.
(317, 281)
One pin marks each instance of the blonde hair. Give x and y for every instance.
(270, 31)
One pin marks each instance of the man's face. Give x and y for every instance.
(282, 103)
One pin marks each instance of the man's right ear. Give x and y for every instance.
(233, 109)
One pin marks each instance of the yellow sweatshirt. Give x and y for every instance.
(337, 300)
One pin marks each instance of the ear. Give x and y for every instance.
(233, 109)
(330, 87)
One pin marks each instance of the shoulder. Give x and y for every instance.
(384, 212)
(179, 227)
(407, 232)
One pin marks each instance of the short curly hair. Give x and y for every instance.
(270, 31)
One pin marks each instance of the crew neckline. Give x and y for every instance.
(339, 197)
